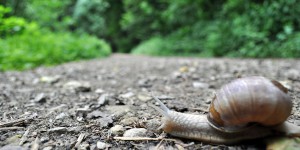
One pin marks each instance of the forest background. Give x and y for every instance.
(48, 32)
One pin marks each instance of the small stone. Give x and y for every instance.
(176, 75)
(101, 145)
(78, 86)
(293, 74)
(117, 130)
(119, 111)
(44, 139)
(153, 124)
(96, 114)
(127, 95)
(200, 85)
(58, 129)
(105, 121)
(85, 109)
(129, 121)
(135, 132)
(99, 91)
(84, 146)
(50, 79)
(144, 98)
(144, 83)
(184, 69)
(102, 99)
(61, 116)
(40, 98)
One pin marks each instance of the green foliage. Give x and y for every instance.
(230, 28)
(88, 16)
(33, 49)
(238, 29)
(10, 25)
(51, 14)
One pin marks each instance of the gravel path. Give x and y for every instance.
(85, 104)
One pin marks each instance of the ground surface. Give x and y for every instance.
(76, 104)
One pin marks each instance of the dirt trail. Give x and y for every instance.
(76, 104)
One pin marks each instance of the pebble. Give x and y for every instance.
(99, 91)
(40, 98)
(119, 111)
(44, 139)
(184, 69)
(153, 124)
(117, 130)
(77, 86)
(102, 99)
(293, 74)
(144, 83)
(101, 145)
(129, 121)
(144, 98)
(50, 79)
(84, 146)
(135, 132)
(61, 116)
(200, 85)
(127, 95)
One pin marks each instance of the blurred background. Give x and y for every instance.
(49, 32)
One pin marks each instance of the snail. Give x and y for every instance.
(246, 108)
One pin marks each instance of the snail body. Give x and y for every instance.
(219, 127)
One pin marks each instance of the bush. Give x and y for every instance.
(33, 49)
(230, 28)
(238, 29)
(11, 25)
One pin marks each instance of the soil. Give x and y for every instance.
(75, 105)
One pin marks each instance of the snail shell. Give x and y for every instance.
(249, 100)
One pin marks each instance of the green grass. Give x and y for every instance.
(30, 50)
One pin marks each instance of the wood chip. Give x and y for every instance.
(79, 140)
(24, 137)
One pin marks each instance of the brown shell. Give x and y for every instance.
(249, 100)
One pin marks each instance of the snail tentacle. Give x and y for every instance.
(163, 107)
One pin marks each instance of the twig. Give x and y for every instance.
(79, 140)
(24, 137)
(35, 145)
(152, 139)
(158, 145)
(142, 139)
(11, 128)
(18, 121)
